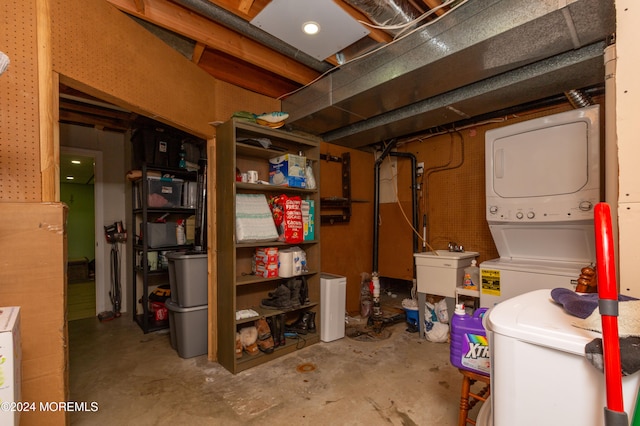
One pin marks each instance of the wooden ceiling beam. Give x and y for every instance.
(245, 6)
(86, 108)
(198, 49)
(237, 7)
(73, 117)
(139, 5)
(435, 3)
(244, 75)
(179, 20)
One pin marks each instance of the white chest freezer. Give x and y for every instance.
(505, 278)
(539, 373)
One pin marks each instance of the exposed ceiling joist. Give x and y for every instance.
(174, 18)
(439, 73)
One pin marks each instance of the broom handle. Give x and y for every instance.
(608, 302)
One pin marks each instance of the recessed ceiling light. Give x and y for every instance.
(311, 27)
(284, 19)
(70, 178)
(75, 161)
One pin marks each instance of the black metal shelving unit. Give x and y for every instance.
(142, 214)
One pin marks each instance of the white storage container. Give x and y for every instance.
(539, 372)
(333, 290)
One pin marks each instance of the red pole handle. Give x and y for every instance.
(607, 291)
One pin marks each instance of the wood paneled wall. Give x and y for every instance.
(347, 247)
(452, 195)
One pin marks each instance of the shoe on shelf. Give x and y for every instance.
(265, 340)
(249, 339)
(312, 322)
(278, 299)
(294, 287)
(273, 326)
(304, 291)
(302, 325)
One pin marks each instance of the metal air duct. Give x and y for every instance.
(479, 58)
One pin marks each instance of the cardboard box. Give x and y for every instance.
(265, 262)
(266, 255)
(10, 363)
(288, 170)
(308, 219)
(36, 234)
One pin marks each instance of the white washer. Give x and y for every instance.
(504, 278)
(539, 373)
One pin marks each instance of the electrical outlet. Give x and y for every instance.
(420, 169)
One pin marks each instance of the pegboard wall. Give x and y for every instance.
(99, 50)
(20, 179)
(452, 195)
(106, 53)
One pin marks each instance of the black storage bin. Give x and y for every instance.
(155, 146)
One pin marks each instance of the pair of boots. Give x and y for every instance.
(287, 296)
(305, 324)
(277, 325)
(255, 338)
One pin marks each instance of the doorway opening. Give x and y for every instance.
(81, 191)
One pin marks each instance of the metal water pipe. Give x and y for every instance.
(376, 199)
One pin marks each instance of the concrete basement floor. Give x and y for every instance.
(139, 379)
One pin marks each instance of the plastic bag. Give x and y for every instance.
(441, 311)
(435, 330)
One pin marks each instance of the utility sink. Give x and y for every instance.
(446, 254)
(441, 271)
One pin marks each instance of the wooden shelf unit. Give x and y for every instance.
(237, 288)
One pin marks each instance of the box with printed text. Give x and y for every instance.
(288, 170)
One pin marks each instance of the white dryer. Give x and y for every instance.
(542, 182)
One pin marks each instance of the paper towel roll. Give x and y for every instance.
(297, 260)
(285, 263)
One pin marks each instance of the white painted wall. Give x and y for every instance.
(114, 149)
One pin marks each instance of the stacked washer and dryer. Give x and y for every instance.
(542, 183)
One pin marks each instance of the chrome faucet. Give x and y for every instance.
(453, 247)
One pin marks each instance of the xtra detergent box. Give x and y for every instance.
(288, 170)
